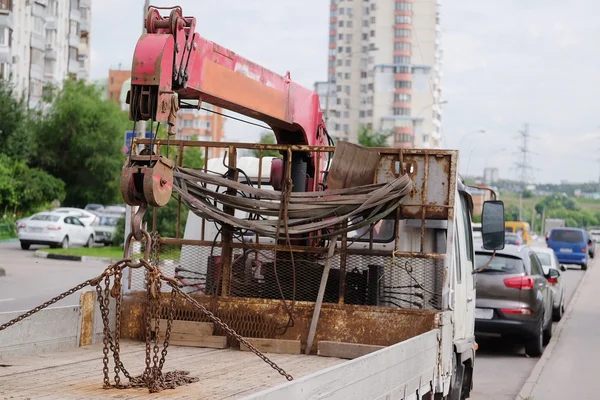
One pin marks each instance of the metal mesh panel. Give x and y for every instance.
(406, 282)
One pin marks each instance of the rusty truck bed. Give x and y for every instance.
(77, 373)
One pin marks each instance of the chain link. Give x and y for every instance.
(230, 331)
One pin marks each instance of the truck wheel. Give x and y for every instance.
(534, 347)
(458, 373)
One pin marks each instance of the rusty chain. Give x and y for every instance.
(230, 331)
(152, 377)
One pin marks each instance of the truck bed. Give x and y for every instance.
(77, 374)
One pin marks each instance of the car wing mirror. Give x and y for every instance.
(492, 225)
(553, 273)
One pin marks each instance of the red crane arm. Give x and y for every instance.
(171, 58)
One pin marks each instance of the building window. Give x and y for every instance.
(403, 32)
(372, 20)
(402, 46)
(403, 19)
(339, 62)
(348, 49)
(3, 36)
(401, 97)
(365, 36)
(404, 138)
(372, 33)
(346, 114)
(350, 11)
(402, 70)
(403, 6)
(342, 11)
(348, 62)
(369, 113)
(347, 88)
(362, 114)
(402, 60)
(401, 111)
(402, 84)
(347, 75)
(341, 24)
(349, 24)
(346, 128)
(340, 36)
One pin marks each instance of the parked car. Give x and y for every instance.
(570, 246)
(94, 207)
(591, 245)
(513, 238)
(105, 228)
(115, 208)
(550, 262)
(595, 235)
(55, 230)
(84, 216)
(514, 298)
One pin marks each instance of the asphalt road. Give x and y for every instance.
(501, 366)
(30, 281)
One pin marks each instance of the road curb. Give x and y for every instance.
(531, 381)
(52, 256)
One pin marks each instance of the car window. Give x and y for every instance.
(545, 258)
(536, 266)
(77, 222)
(468, 229)
(501, 264)
(52, 218)
(566, 236)
(68, 220)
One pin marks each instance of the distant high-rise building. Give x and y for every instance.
(43, 42)
(384, 71)
(491, 175)
(116, 78)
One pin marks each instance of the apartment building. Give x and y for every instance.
(116, 78)
(43, 42)
(384, 71)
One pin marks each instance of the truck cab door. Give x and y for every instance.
(465, 279)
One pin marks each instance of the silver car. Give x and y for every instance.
(549, 261)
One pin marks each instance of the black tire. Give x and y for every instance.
(559, 311)
(25, 246)
(563, 268)
(458, 375)
(90, 242)
(547, 334)
(65, 243)
(534, 346)
(584, 267)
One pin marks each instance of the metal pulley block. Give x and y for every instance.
(147, 179)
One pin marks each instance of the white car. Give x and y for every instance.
(84, 216)
(549, 261)
(56, 230)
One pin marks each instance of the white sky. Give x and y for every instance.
(505, 63)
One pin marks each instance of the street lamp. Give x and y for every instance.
(468, 135)
(493, 153)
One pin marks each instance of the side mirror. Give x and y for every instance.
(553, 274)
(492, 225)
(590, 242)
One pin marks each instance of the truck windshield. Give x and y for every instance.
(566, 236)
(500, 264)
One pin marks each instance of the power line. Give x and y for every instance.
(523, 164)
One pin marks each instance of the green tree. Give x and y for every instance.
(369, 138)
(24, 189)
(267, 138)
(80, 140)
(193, 156)
(16, 125)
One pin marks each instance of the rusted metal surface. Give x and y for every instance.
(380, 326)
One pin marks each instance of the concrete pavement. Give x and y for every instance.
(567, 369)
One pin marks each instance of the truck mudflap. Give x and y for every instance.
(406, 370)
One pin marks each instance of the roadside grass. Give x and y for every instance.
(112, 252)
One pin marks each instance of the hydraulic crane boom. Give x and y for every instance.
(172, 58)
(171, 64)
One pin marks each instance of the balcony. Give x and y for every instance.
(83, 52)
(51, 24)
(5, 55)
(38, 41)
(75, 15)
(74, 41)
(50, 54)
(6, 19)
(85, 4)
(84, 26)
(36, 72)
(73, 67)
(38, 10)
